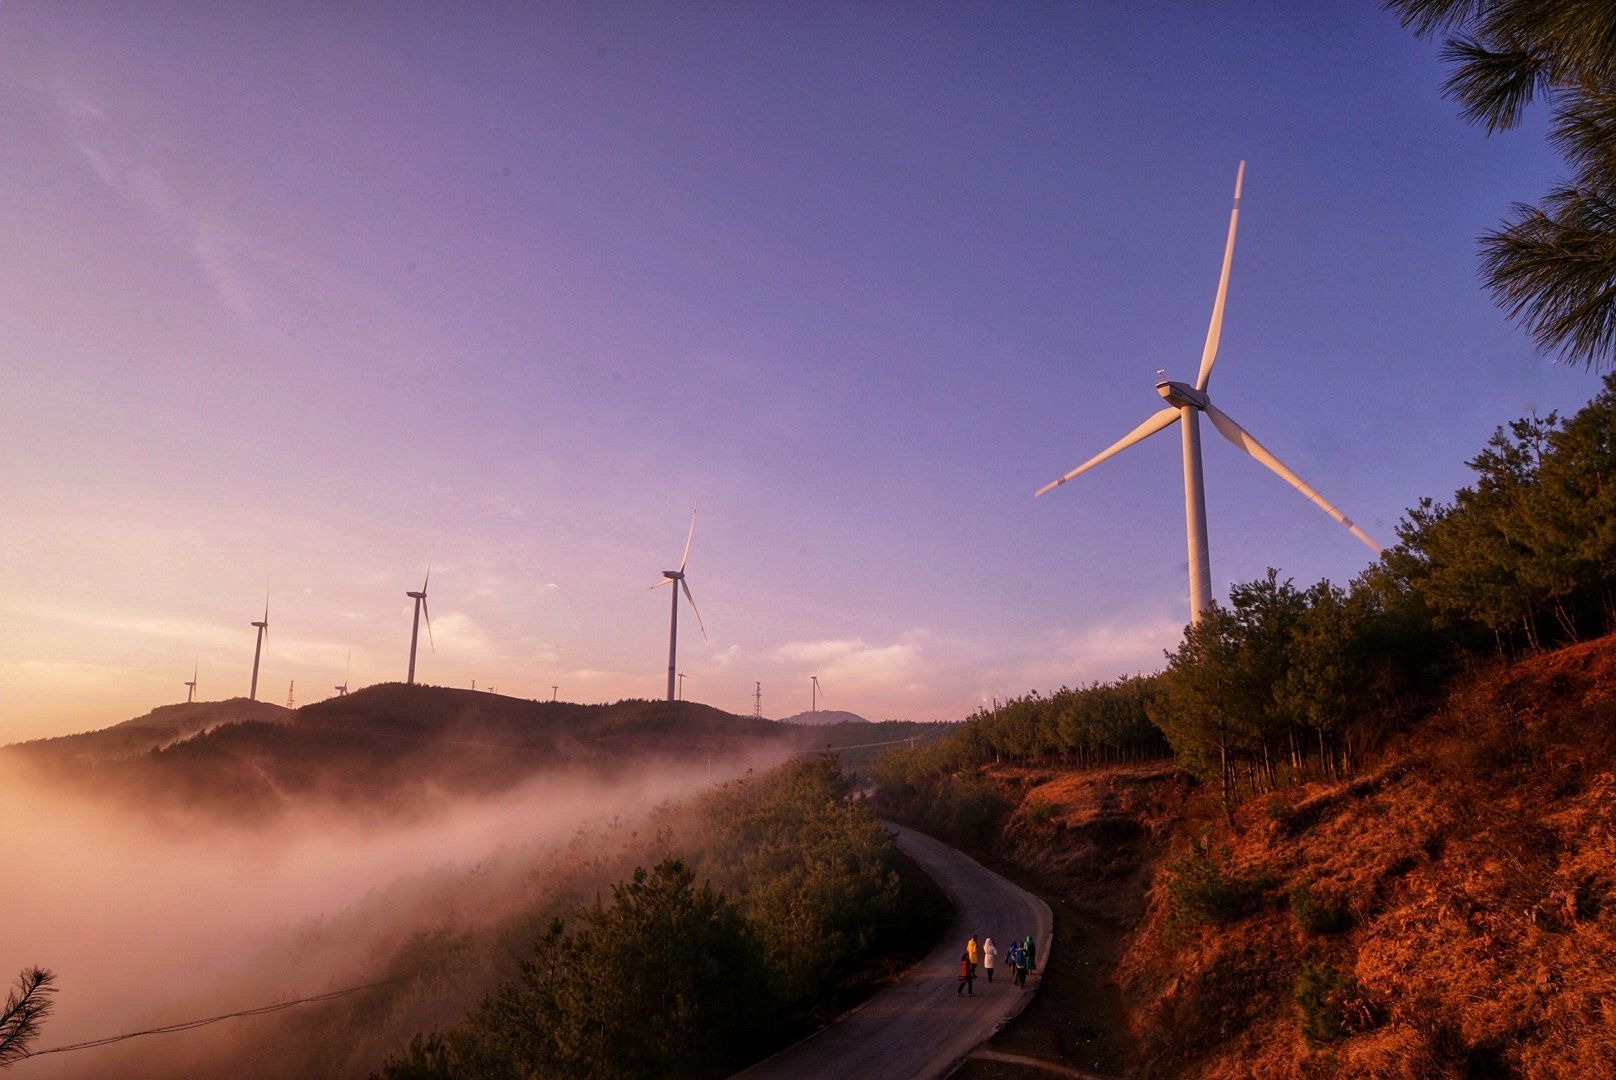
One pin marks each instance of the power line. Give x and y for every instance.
(187, 1025)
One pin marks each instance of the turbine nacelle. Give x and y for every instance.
(416, 595)
(1180, 394)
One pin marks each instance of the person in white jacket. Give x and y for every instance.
(990, 953)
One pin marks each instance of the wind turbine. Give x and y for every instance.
(190, 687)
(258, 649)
(677, 577)
(1186, 403)
(813, 694)
(415, 629)
(342, 691)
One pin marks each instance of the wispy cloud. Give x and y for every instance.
(232, 264)
(855, 665)
(1101, 652)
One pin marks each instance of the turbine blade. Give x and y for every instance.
(1209, 354)
(686, 557)
(694, 608)
(1243, 439)
(428, 575)
(428, 613)
(658, 585)
(1156, 422)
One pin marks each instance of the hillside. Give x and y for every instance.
(1449, 910)
(161, 727)
(825, 718)
(393, 748)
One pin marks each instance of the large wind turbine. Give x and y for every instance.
(677, 577)
(190, 687)
(1186, 403)
(415, 629)
(342, 691)
(258, 649)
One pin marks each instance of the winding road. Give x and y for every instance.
(919, 1026)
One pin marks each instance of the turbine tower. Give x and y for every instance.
(1186, 403)
(813, 694)
(415, 628)
(258, 649)
(677, 578)
(190, 687)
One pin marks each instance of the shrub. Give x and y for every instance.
(1039, 812)
(1315, 915)
(1202, 889)
(1333, 1005)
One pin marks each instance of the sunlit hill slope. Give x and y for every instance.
(1448, 911)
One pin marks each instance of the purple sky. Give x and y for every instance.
(305, 297)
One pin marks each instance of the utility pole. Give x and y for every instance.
(289, 687)
(553, 690)
(757, 703)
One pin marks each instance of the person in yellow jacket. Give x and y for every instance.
(973, 953)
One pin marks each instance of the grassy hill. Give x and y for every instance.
(1447, 911)
(398, 749)
(161, 727)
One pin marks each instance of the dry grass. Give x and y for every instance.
(1477, 863)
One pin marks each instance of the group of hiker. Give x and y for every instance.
(1021, 957)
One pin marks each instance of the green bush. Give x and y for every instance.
(1314, 914)
(1201, 888)
(1039, 812)
(1331, 1003)
(1279, 810)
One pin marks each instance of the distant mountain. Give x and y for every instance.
(391, 748)
(825, 717)
(163, 726)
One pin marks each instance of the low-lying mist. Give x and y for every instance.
(149, 921)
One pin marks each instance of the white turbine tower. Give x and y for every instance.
(1186, 403)
(258, 647)
(677, 577)
(415, 628)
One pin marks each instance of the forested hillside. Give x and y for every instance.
(778, 902)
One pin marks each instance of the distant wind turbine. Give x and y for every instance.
(415, 628)
(1186, 403)
(258, 649)
(813, 694)
(677, 578)
(342, 691)
(190, 687)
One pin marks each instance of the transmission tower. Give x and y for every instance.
(289, 687)
(757, 702)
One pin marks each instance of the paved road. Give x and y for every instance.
(919, 1027)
